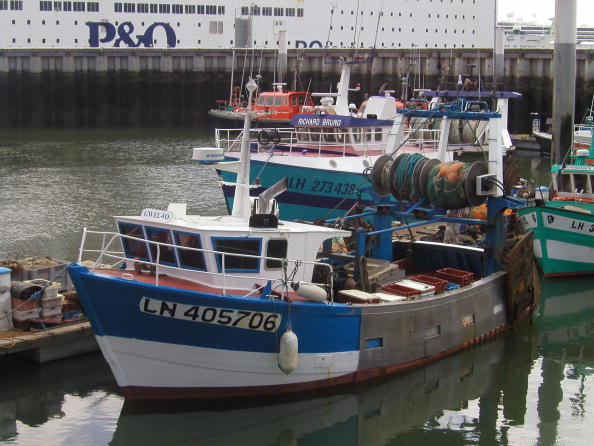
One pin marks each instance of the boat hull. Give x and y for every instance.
(313, 192)
(158, 348)
(563, 238)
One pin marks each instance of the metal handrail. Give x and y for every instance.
(106, 252)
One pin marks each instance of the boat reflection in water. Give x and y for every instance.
(34, 394)
(371, 415)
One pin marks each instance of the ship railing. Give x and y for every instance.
(295, 140)
(424, 139)
(583, 127)
(111, 251)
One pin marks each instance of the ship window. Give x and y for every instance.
(43, 6)
(245, 10)
(267, 11)
(211, 9)
(260, 100)
(188, 258)
(190, 9)
(290, 12)
(278, 100)
(164, 9)
(276, 248)
(67, 6)
(221, 10)
(133, 248)
(16, 5)
(166, 254)
(57, 6)
(117, 7)
(215, 27)
(294, 100)
(278, 12)
(299, 12)
(240, 247)
(129, 7)
(78, 6)
(153, 8)
(269, 100)
(142, 8)
(93, 6)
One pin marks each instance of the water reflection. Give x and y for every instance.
(375, 415)
(34, 394)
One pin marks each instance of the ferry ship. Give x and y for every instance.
(240, 24)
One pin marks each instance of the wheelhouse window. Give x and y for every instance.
(189, 258)
(276, 248)
(165, 254)
(237, 248)
(133, 248)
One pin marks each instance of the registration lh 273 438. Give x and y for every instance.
(249, 320)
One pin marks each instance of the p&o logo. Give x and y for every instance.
(124, 34)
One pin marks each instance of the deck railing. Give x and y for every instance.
(319, 142)
(108, 252)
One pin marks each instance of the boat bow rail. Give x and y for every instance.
(109, 250)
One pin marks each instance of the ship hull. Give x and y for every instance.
(563, 238)
(158, 348)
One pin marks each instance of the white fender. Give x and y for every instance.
(310, 292)
(288, 352)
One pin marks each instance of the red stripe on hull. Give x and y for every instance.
(205, 393)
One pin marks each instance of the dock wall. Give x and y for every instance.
(155, 87)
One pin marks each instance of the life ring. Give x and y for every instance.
(275, 136)
(264, 137)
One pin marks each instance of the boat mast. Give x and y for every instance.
(241, 199)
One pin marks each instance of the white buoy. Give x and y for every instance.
(288, 352)
(311, 292)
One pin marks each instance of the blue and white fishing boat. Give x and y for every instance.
(249, 306)
(564, 226)
(324, 156)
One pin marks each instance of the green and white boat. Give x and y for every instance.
(564, 226)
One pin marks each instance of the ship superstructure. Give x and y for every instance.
(239, 24)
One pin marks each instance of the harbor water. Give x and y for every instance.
(532, 386)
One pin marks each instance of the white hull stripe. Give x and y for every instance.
(153, 364)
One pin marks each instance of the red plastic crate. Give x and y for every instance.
(401, 290)
(455, 275)
(439, 284)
